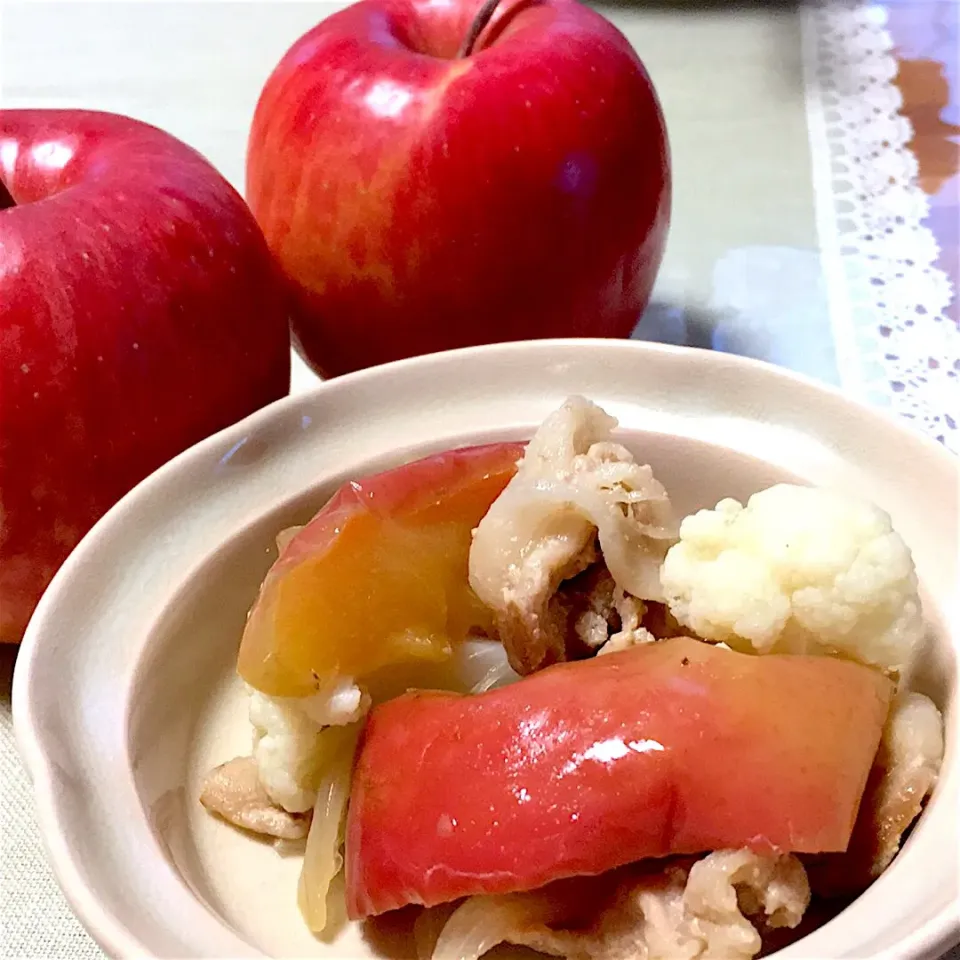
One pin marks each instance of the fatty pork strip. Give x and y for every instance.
(233, 791)
(904, 774)
(685, 909)
(578, 500)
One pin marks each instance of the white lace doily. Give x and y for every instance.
(895, 346)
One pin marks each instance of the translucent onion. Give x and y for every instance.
(429, 925)
(480, 923)
(322, 860)
(481, 665)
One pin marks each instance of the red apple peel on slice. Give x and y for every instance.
(676, 747)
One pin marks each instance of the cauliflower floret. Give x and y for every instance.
(798, 569)
(680, 911)
(286, 743)
(573, 488)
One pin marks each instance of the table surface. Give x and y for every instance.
(927, 37)
(743, 271)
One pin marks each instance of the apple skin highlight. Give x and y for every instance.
(140, 312)
(422, 201)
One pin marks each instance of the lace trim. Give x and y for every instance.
(895, 346)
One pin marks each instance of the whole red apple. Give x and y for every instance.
(426, 192)
(140, 311)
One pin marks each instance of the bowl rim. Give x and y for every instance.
(939, 933)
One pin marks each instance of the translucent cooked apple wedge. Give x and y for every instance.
(378, 578)
(669, 748)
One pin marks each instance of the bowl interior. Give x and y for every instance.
(125, 692)
(189, 708)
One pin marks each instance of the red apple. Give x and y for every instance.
(140, 311)
(422, 199)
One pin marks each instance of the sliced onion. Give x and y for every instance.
(482, 922)
(481, 665)
(497, 676)
(336, 906)
(429, 925)
(322, 861)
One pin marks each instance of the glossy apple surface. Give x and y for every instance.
(422, 200)
(140, 311)
(676, 747)
(378, 577)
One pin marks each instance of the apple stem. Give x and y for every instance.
(480, 21)
(6, 198)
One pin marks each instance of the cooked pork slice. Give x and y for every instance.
(574, 488)
(904, 774)
(682, 910)
(233, 791)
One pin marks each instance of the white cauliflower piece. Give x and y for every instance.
(573, 487)
(677, 912)
(800, 570)
(287, 742)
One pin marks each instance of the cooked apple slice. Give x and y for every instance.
(676, 747)
(378, 577)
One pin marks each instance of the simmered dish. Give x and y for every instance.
(505, 685)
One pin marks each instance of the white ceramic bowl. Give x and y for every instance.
(125, 691)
